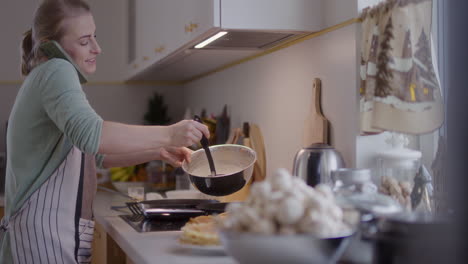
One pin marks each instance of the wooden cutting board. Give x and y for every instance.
(254, 140)
(242, 194)
(316, 124)
(257, 144)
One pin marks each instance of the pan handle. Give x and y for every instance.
(205, 144)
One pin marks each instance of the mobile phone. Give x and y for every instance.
(53, 50)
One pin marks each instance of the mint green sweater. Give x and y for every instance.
(50, 115)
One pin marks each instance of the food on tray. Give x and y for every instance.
(398, 190)
(283, 204)
(201, 230)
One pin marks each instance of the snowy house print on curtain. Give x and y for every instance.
(368, 70)
(402, 93)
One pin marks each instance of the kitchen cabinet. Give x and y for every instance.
(161, 27)
(105, 249)
(165, 32)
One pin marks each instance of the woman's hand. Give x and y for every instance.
(187, 132)
(175, 155)
(172, 155)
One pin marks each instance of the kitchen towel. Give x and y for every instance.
(399, 89)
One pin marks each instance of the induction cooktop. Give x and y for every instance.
(142, 225)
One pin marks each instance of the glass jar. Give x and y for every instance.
(160, 175)
(182, 180)
(354, 188)
(397, 169)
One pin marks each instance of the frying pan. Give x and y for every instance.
(234, 162)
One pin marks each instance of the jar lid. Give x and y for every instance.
(401, 154)
(351, 175)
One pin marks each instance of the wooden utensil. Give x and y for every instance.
(232, 134)
(316, 124)
(241, 195)
(238, 136)
(257, 144)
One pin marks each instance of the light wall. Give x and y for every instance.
(15, 18)
(128, 104)
(275, 92)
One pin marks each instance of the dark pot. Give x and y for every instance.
(412, 238)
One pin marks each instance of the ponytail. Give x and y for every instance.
(27, 50)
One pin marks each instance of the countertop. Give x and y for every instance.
(151, 247)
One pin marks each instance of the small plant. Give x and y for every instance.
(156, 115)
(157, 111)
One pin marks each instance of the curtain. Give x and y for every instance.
(399, 90)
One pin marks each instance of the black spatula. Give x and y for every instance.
(204, 142)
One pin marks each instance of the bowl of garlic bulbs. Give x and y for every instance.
(286, 221)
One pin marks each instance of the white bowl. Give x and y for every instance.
(255, 248)
(123, 186)
(153, 196)
(185, 194)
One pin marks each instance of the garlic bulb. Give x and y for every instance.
(283, 204)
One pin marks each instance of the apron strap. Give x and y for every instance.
(4, 223)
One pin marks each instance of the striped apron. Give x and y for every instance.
(55, 224)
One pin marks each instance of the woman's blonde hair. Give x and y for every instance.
(47, 25)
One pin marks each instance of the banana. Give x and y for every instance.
(121, 173)
(118, 176)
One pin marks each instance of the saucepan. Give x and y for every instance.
(234, 167)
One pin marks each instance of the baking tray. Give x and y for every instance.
(169, 209)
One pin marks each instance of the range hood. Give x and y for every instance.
(248, 40)
(189, 62)
(251, 26)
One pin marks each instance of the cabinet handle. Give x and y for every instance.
(135, 66)
(190, 27)
(159, 49)
(193, 26)
(145, 58)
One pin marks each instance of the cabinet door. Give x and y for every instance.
(139, 22)
(99, 245)
(290, 15)
(183, 21)
(149, 28)
(164, 26)
(199, 18)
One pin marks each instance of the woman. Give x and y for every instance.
(55, 139)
